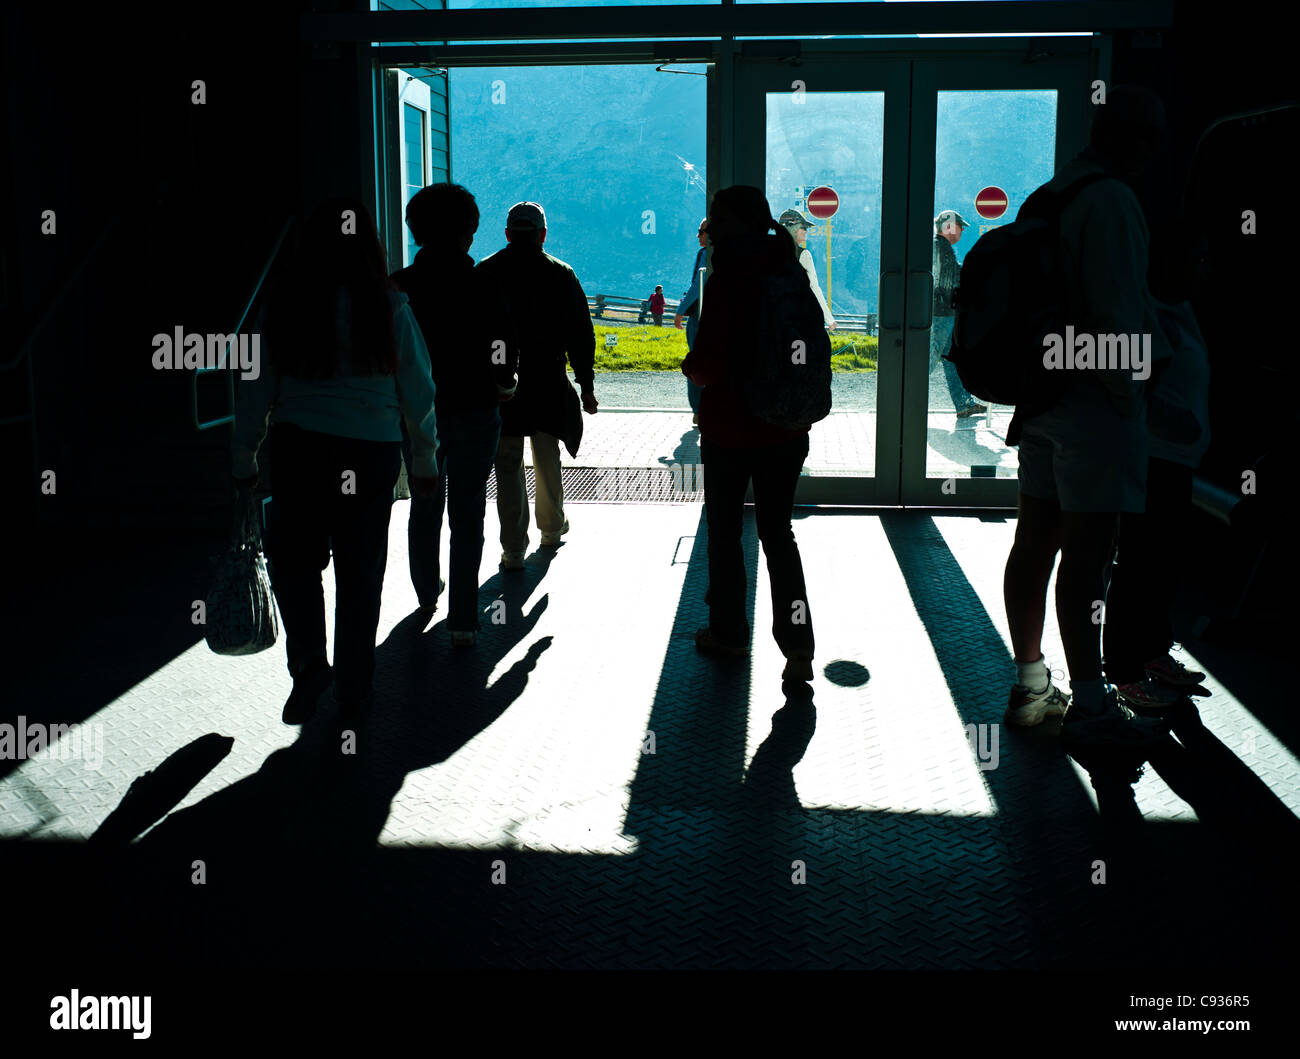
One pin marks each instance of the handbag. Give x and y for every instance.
(241, 617)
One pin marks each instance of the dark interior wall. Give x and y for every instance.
(103, 129)
(1207, 67)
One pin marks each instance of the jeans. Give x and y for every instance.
(1144, 579)
(774, 470)
(693, 396)
(331, 494)
(467, 445)
(692, 391)
(940, 341)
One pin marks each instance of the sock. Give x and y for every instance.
(1088, 696)
(1033, 675)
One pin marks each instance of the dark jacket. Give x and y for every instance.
(459, 317)
(727, 337)
(946, 273)
(549, 317)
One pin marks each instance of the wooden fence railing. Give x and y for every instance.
(619, 309)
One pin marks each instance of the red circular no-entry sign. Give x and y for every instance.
(991, 202)
(822, 203)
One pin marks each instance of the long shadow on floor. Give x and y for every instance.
(1158, 875)
(88, 629)
(317, 807)
(731, 870)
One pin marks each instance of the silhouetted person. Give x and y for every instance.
(1138, 635)
(1084, 460)
(688, 309)
(549, 316)
(461, 321)
(737, 447)
(657, 306)
(948, 228)
(347, 364)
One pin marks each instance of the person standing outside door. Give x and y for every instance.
(948, 228)
(797, 225)
(688, 308)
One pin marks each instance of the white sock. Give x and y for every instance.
(1033, 675)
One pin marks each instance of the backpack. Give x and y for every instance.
(783, 383)
(1010, 295)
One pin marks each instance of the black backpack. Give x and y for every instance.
(1010, 295)
(787, 380)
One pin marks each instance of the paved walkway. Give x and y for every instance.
(635, 428)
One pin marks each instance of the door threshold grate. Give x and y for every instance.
(681, 484)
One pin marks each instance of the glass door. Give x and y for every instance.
(923, 152)
(829, 136)
(986, 132)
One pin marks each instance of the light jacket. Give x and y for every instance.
(369, 407)
(805, 259)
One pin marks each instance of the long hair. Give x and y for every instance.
(742, 212)
(337, 271)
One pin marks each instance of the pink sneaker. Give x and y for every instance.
(1148, 694)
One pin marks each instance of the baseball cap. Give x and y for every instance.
(526, 216)
(794, 219)
(950, 215)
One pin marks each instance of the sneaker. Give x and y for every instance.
(711, 645)
(1172, 671)
(308, 686)
(1148, 694)
(551, 540)
(512, 560)
(1115, 728)
(972, 410)
(1028, 708)
(462, 638)
(798, 668)
(695, 420)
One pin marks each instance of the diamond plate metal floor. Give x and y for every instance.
(585, 790)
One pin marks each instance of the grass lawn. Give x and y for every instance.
(651, 348)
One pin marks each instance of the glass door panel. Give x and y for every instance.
(842, 126)
(986, 132)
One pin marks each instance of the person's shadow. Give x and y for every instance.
(333, 788)
(687, 450)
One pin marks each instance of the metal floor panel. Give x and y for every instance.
(502, 808)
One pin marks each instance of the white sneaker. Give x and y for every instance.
(512, 560)
(1028, 708)
(551, 540)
